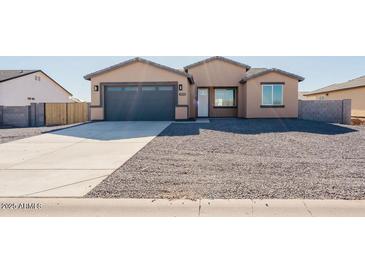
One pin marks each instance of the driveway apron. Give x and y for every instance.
(70, 162)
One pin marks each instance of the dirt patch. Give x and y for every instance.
(358, 121)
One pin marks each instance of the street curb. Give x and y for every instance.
(81, 207)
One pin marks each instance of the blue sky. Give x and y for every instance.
(69, 71)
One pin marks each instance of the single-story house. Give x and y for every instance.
(22, 87)
(301, 95)
(139, 89)
(353, 89)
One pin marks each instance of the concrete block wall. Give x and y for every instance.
(346, 112)
(37, 118)
(16, 116)
(1, 115)
(22, 116)
(330, 111)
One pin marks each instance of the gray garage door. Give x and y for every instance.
(140, 103)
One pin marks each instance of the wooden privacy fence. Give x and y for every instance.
(66, 113)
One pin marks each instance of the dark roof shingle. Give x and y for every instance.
(6, 75)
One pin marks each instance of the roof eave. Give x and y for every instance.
(138, 59)
(333, 90)
(291, 75)
(58, 84)
(35, 71)
(247, 67)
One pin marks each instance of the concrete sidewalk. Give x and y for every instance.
(78, 207)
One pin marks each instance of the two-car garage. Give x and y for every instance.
(140, 90)
(140, 102)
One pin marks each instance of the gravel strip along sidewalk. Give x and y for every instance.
(12, 134)
(245, 159)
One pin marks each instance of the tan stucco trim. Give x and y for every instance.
(181, 112)
(241, 101)
(96, 114)
(193, 101)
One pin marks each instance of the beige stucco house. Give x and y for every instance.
(22, 87)
(353, 89)
(139, 89)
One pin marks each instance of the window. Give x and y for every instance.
(149, 88)
(159, 88)
(225, 97)
(130, 88)
(166, 88)
(126, 88)
(272, 95)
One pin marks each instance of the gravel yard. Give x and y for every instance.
(249, 159)
(12, 134)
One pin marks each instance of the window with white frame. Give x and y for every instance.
(272, 95)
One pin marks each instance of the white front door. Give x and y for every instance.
(203, 102)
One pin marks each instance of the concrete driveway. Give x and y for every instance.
(70, 162)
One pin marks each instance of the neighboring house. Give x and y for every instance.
(139, 89)
(301, 95)
(22, 87)
(353, 89)
(76, 100)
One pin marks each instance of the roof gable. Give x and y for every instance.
(256, 72)
(354, 83)
(6, 75)
(217, 58)
(141, 60)
(54, 81)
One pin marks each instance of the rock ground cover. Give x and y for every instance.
(245, 159)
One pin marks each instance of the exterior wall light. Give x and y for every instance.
(96, 88)
(180, 87)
